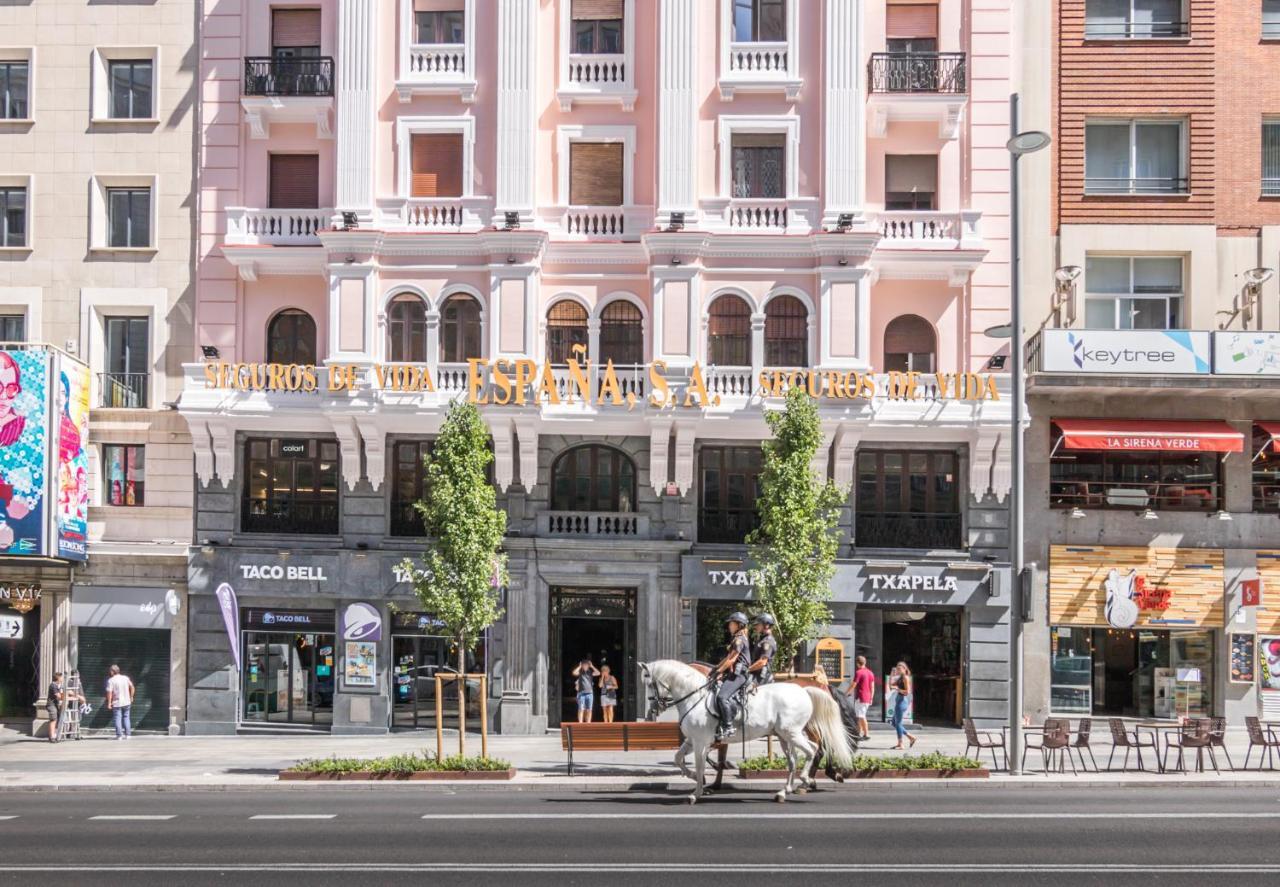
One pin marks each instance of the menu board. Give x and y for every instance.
(830, 655)
(1243, 658)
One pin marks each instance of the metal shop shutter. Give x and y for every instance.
(143, 655)
(295, 181)
(595, 174)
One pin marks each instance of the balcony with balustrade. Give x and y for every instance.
(433, 61)
(917, 86)
(761, 215)
(602, 223)
(597, 78)
(929, 230)
(593, 524)
(287, 90)
(447, 215)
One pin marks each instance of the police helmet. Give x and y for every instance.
(765, 619)
(737, 616)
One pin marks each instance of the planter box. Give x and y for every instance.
(981, 773)
(423, 776)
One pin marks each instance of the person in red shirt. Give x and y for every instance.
(862, 688)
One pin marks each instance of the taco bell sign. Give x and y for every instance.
(361, 622)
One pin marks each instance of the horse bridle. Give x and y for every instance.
(661, 703)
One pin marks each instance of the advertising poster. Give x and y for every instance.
(24, 420)
(1247, 353)
(1242, 658)
(1125, 351)
(361, 664)
(72, 509)
(1269, 662)
(361, 630)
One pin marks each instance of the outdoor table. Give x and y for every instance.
(1158, 728)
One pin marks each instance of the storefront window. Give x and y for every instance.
(1173, 481)
(1140, 672)
(410, 470)
(124, 470)
(908, 500)
(1266, 471)
(593, 478)
(291, 486)
(712, 636)
(730, 482)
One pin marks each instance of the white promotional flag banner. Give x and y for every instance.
(226, 596)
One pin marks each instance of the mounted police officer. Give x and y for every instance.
(763, 649)
(732, 672)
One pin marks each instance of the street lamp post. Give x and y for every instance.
(1019, 143)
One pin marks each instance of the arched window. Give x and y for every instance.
(621, 334)
(593, 478)
(291, 338)
(786, 333)
(566, 327)
(460, 329)
(729, 333)
(407, 329)
(910, 345)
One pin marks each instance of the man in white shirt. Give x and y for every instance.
(120, 700)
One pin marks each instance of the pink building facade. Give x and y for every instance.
(662, 214)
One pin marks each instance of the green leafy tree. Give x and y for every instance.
(794, 548)
(456, 581)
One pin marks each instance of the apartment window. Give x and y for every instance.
(436, 165)
(440, 26)
(131, 88)
(460, 329)
(1163, 481)
(621, 334)
(1134, 19)
(597, 26)
(13, 217)
(729, 332)
(596, 173)
(908, 500)
(128, 218)
(124, 384)
(910, 181)
(729, 485)
(291, 338)
(1266, 468)
(409, 474)
(295, 33)
(14, 85)
(759, 21)
(124, 470)
(1133, 293)
(13, 328)
(1134, 157)
(910, 345)
(291, 486)
(911, 28)
(759, 165)
(593, 478)
(566, 327)
(407, 329)
(786, 333)
(1271, 19)
(295, 181)
(1271, 158)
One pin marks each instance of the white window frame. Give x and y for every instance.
(27, 181)
(1116, 298)
(1133, 123)
(409, 83)
(408, 127)
(624, 135)
(29, 302)
(788, 82)
(788, 126)
(1275, 188)
(99, 303)
(22, 54)
(99, 219)
(622, 94)
(1182, 18)
(1275, 34)
(100, 107)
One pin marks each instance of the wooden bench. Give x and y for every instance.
(619, 736)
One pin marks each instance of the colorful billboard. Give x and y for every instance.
(24, 451)
(71, 517)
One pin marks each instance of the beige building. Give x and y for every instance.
(97, 106)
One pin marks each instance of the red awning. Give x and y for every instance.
(1273, 429)
(1142, 435)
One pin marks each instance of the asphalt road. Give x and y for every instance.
(852, 834)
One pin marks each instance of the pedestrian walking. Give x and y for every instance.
(863, 691)
(54, 699)
(584, 674)
(900, 682)
(120, 693)
(608, 693)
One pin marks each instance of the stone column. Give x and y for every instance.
(844, 146)
(357, 77)
(677, 109)
(517, 118)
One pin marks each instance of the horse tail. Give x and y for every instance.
(827, 723)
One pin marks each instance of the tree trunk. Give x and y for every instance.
(462, 695)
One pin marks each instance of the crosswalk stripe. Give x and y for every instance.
(293, 816)
(134, 817)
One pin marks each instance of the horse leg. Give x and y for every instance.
(799, 744)
(700, 767)
(681, 753)
(788, 752)
(724, 753)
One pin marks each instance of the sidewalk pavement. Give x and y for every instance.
(232, 762)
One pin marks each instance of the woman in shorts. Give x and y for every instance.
(608, 693)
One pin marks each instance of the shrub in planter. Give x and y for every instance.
(400, 766)
(867, 765)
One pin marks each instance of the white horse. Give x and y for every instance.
(783, 710)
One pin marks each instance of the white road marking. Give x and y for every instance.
(134, 817)
(845, 816)
(624, 868)
(7, 817)
(294, 816)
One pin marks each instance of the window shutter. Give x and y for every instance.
(295, 27)
(912, 20)
(911, 173)
(436, 165)
(438, 5)
(295, 181)
(597, 10)
(595, 174)
(759, 140)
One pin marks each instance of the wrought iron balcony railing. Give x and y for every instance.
(919, 72)
(123, 391)
(267, 76)
(1136, 185)
(1135, 30)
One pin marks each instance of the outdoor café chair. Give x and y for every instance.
(1261, 736)
(1055, 739)
(975, 738)
(1122, 738)
(1081, 744)
(1193, 735)
(1218, 736)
